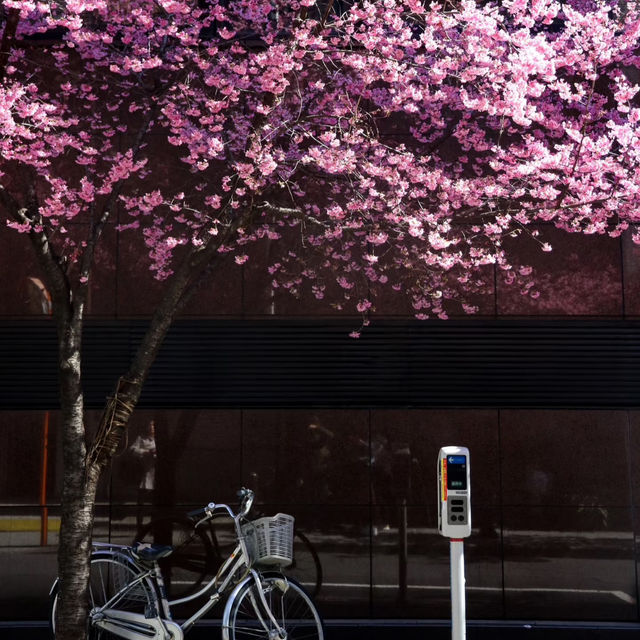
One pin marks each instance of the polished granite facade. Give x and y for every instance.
(554, 516)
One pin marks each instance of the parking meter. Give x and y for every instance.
(454, 522)
(454, 492)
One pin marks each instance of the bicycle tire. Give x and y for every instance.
(109, 572)
(193, 557)
(289, 603)
(306, 567)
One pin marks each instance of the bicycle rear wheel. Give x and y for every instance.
(109, 574)
(289, 604)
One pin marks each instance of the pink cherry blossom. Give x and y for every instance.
(401, 141)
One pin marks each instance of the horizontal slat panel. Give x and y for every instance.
(572, 363)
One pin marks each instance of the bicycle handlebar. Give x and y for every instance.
(205, 513)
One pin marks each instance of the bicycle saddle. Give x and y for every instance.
(145, 552)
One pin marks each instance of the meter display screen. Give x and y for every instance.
(457, 473)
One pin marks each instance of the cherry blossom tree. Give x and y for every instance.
(394, 143)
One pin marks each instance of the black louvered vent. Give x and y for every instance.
(572, 363)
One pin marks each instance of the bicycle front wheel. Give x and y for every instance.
(291, 607)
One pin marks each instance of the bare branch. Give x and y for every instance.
(8, 38)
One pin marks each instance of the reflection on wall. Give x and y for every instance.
(553, 532)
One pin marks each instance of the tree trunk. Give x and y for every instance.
(82, 467)
(79, 488)
(75, 543)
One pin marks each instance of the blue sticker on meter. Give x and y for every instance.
(457, 473)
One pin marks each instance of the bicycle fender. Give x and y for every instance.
(281, 582)
(229, 603)
(101, 554)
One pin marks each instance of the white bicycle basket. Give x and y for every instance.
(270, 540)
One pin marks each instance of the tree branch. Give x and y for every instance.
(108, 209)
(51, 265)
(8, 38)
(182, 286)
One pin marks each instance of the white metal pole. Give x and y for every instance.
(458, 613)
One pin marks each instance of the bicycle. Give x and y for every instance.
(128, 598)
(198, 553)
